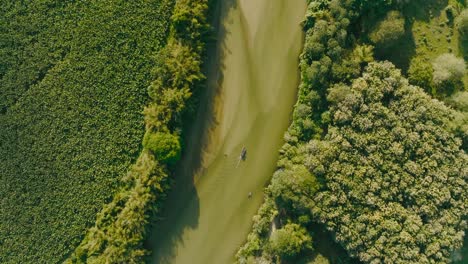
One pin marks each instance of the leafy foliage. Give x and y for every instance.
(462, 23)
(420, 73)
(447, 67)
(292, 186)
(165, 147)
(290, 240)
(73, 78)
(395, 177)
(373, 5)
(321, 63)
(459, 101)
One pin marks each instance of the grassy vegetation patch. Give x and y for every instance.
(435, 30)
(74, 78)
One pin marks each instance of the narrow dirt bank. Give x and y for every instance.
(252, 80)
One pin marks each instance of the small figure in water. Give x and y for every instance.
(250, 195)
(243, 154)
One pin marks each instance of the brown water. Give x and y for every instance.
(252, 88)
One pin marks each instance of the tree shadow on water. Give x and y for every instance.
(181, 210)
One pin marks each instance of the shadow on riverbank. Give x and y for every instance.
(166, 232)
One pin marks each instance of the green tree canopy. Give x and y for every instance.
(166, 147)
(288, 241)
(462, 23)
(292, 186)
(447, 67)
(394, 177)
(420, 73)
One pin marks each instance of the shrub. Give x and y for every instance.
(363, 54)
(290, 240)
(320, 259)
(290, 185)
(353, 63)
(447, 67)
(451, 12)
(462, 23)
(420, 74)
(388, 31)
(165, 146)
(459, 101)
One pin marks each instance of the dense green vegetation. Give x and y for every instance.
(165, 147)
(394, 187)
(290, 240)
(94, 96)
(375, 160)
(73, 79)
(448, 68)
(121, 226)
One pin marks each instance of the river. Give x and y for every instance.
(252, 83)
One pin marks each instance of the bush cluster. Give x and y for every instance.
(321, 63)
(421, 74)
(448, 68)
(165, 147)
(462, 24)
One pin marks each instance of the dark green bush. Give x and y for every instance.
(462, 23)
(165, 147)
(451, 12)
(448, 69)
(420, 73)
